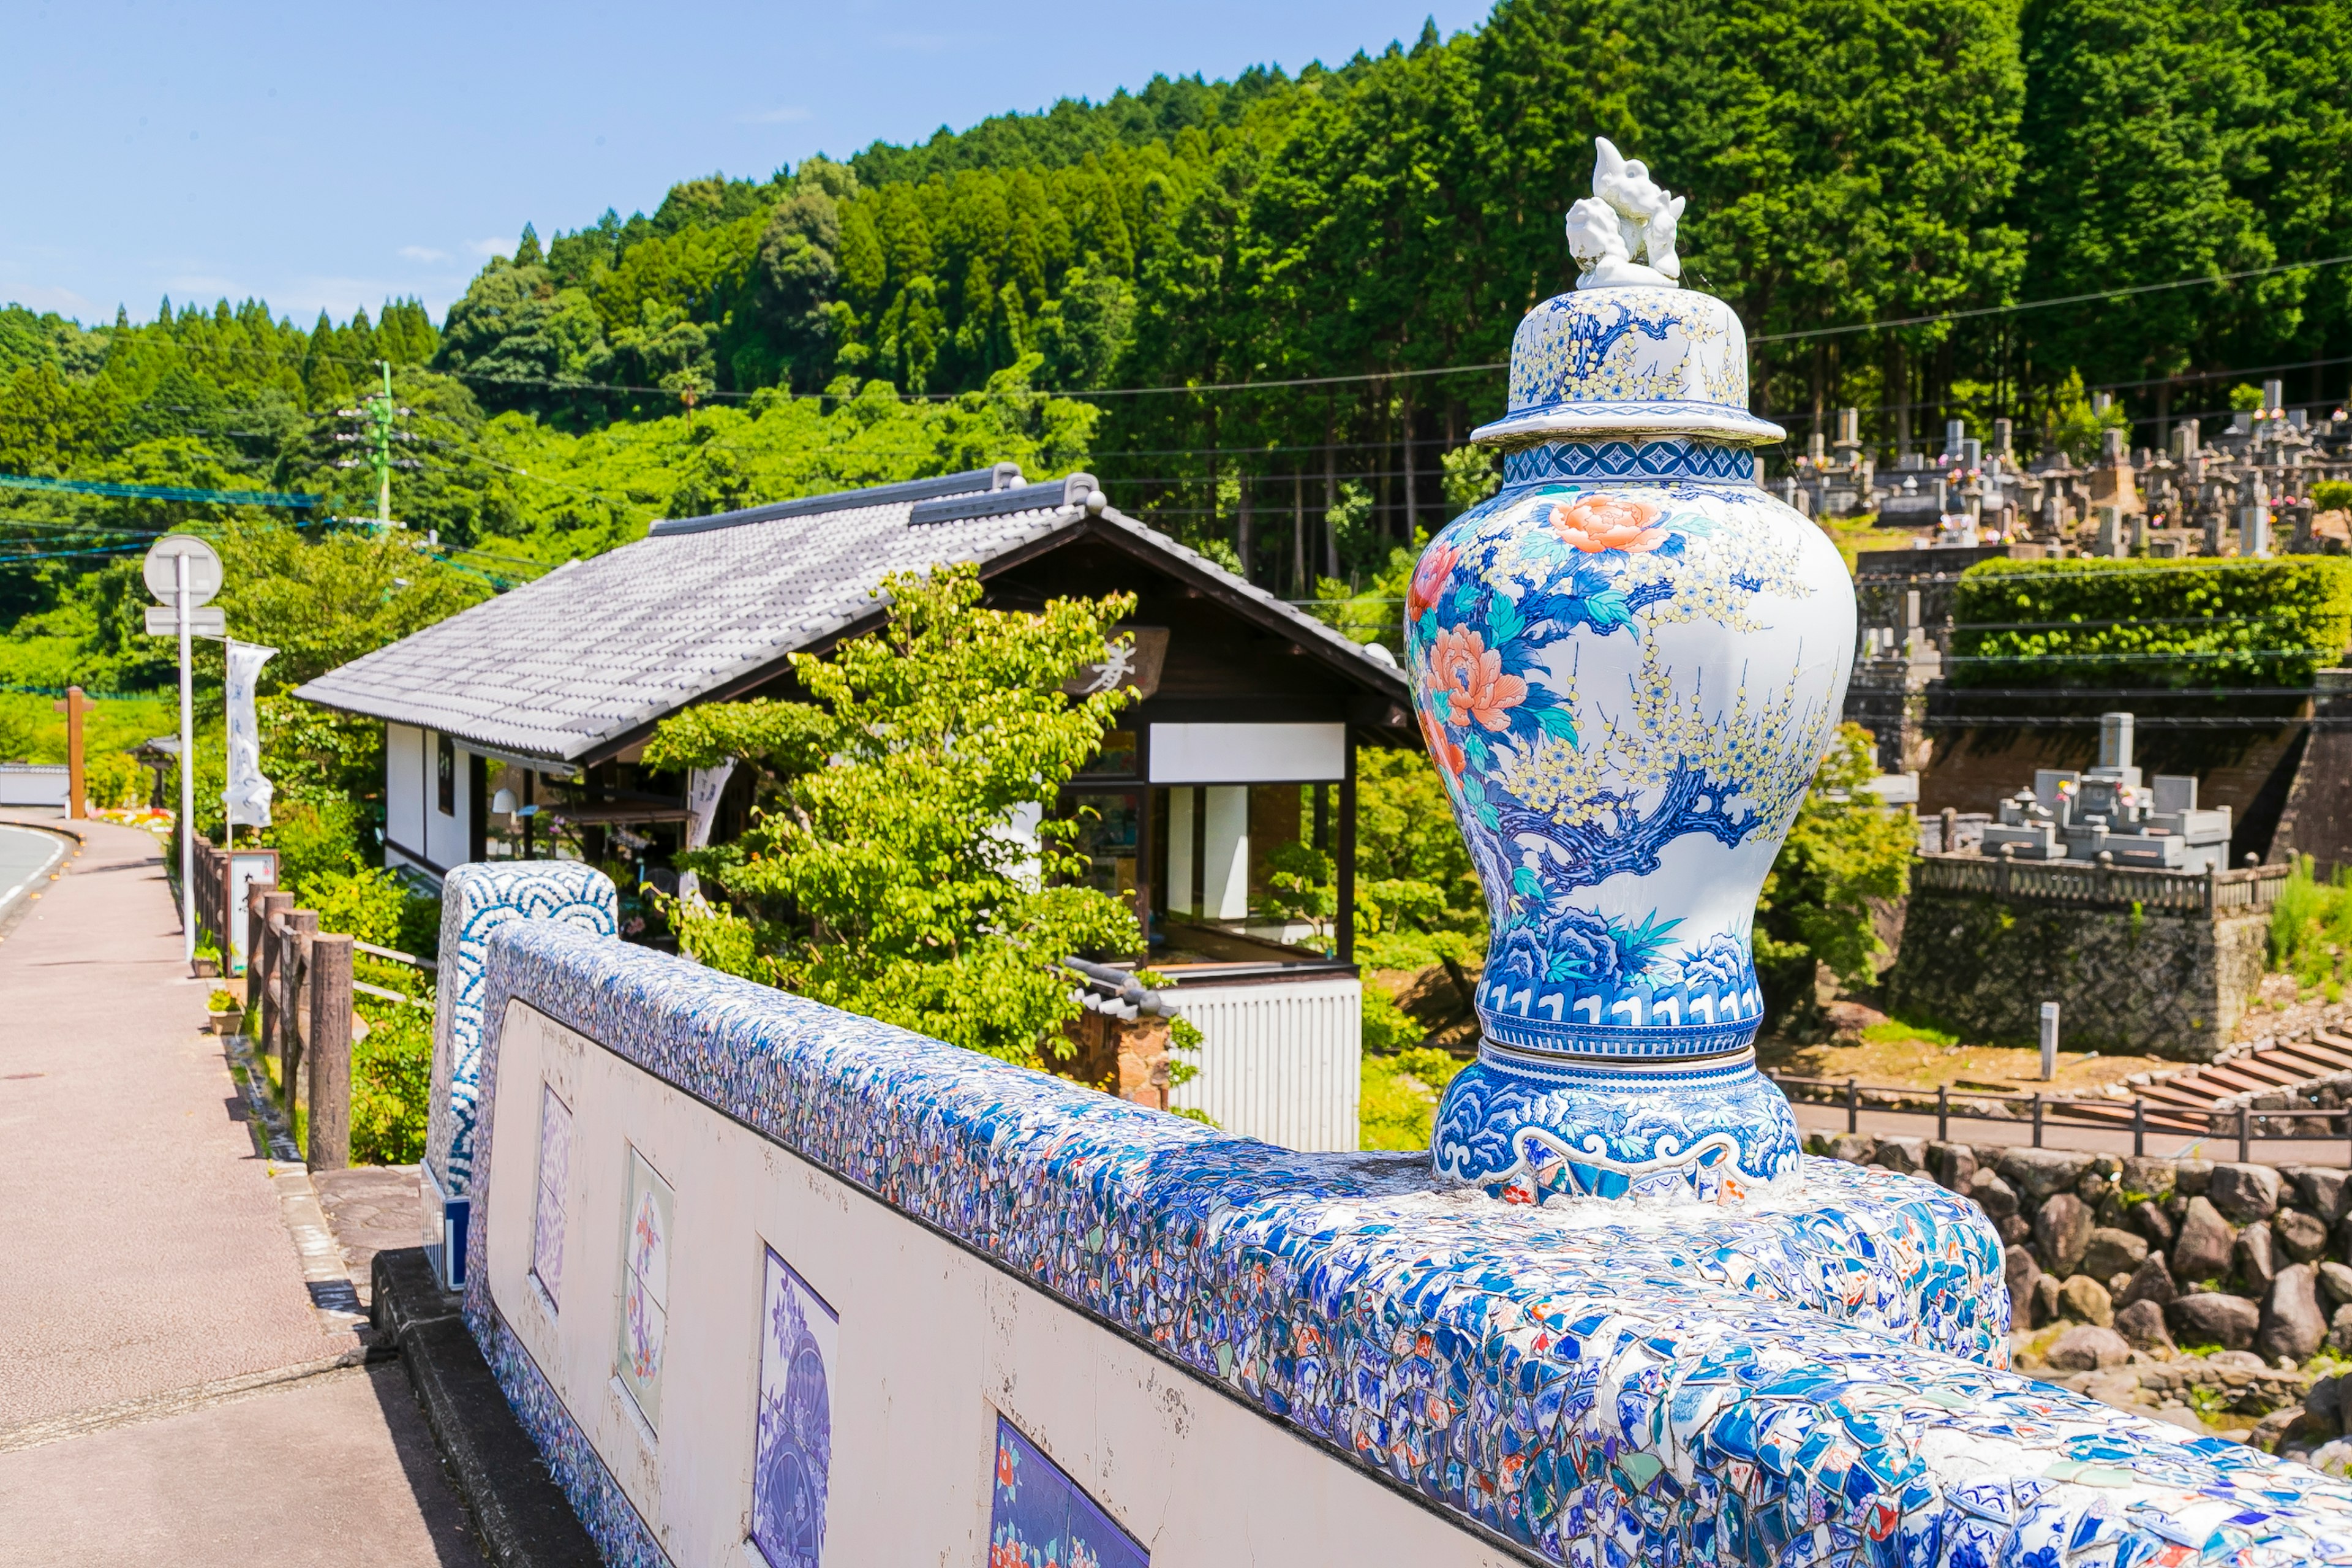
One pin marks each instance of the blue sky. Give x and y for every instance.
(328, 155)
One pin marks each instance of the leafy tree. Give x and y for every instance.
(1844, 849)
(880, 874)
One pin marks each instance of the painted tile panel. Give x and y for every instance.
(1040, 1518)
(644, 1288)
(792, 1451)
(554, 1182)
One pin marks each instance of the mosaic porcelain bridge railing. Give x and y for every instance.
(1814, 1376)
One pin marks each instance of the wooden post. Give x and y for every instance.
(274, 907)
(2139, 1126)
(1345, 855)
(1942, 1112)
(2245, 1133)
(293, 968)
(256, 943)
(330, 1052)
(1853, 1107)
(73, 707)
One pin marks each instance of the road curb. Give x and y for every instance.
(520, 1515)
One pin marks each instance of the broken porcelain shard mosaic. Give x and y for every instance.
(1627, 664)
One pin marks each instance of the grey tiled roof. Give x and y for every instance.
(599, 648)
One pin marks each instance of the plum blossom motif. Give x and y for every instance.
(1596, 523)
(1469, 676)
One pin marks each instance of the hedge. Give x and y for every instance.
(2185, 624)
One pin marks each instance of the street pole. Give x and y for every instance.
(180, 608)
(384, 451)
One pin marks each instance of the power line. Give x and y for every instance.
(162, 492)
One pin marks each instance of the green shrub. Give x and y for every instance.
(2332, 495)
(1400, 1095)
(392, 1082)
(2311, 927)
(1844, 849)
(1388, 1029)
(2185, 624)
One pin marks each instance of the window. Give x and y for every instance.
(447, 768)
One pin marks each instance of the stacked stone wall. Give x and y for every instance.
(2134, 1261)
(2135, 983)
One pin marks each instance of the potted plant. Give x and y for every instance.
(227, 1012)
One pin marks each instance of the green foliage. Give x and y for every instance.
(392, 1081)
(1400, 1095)
(2310, 928)
(878, 875)
(1472, 473)
(2186, 623)
(1844, 849)
(2331, 495)
(2074, 426)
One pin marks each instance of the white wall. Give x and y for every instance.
(1279, 1061)
(1248, 753)
(407, 788)
(932, 1343)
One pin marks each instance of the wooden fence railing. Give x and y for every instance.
(2050, 1115)
(298, 989)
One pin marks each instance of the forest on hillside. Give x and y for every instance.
(1249, 305)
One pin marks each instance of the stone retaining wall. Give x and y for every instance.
(2133, 982)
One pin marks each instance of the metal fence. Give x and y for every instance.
(2047, 1114)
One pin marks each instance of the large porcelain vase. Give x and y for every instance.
(1628, 664)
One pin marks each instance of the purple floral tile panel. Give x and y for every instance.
(792, 1459)
(1039, 1518)
(554, 1182)
(644, 1288)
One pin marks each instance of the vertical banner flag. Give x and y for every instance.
(703, 788)
(247, 795)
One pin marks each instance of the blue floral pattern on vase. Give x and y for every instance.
(1626, 664)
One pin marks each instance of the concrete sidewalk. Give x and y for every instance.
(158, 1343)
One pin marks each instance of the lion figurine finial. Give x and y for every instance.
(1623, 235)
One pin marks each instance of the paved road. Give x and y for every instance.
(154, 1317)
(25, 853)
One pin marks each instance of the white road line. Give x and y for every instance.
(57, 852)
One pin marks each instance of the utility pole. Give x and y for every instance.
(378, 417)
(74, 706)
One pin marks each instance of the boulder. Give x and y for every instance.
(2339, 1331)
(2093, 1189)
(2203, 1250)
(2148, 1177)
(1853, 1148)
(2045, 1301)
(2333, 1459)
(2036, 1174)
(2292, 1325)
(1953, 1165)
(2189, 1177)
(2325, 1404)
(2152, 1282)
(1904, 1156)
(2021, 1271)
(2062, 1231)
(2087, 1301)
(2210, 1318)
(2273, 1428)
(2113, 1252)
(2014, 1231)
(2324, 1192)
(2256, 1258)
(1995, 1196)
(2300, 1236)
(2141, 1323)
(2335, 1284)
(2244, 1193)
(2085, 1347)
(2152, 1222)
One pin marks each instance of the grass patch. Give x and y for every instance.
(1894, 1032)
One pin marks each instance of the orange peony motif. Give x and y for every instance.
(1598, 522)
(1448, 754)
(1429, 580)
(1469, 676)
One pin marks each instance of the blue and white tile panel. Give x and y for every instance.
(1813, 1378)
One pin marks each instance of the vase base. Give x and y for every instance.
(1711, 1132)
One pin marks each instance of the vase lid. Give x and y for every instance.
(1630, 352)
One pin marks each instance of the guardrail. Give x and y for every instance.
(2047, 1113)
(2245, 889)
